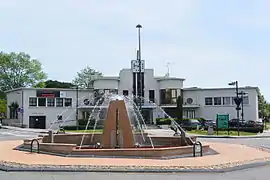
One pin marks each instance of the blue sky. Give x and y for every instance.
(208, 42)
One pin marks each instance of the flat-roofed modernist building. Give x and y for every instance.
(39, 108)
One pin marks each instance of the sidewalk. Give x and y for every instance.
(26, 129)
(225, 159)
(265, 134)
(168, 132)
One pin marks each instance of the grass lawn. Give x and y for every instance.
(221, 133)
(268, 125)
(87, 131)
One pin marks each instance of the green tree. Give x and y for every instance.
(57, 84)
(263, 106)
(85, 77)
(2, 95)
(3, 106)
(19, 70)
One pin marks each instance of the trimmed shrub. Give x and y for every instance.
(81, 127)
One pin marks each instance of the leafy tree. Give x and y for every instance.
(85, 77)
(264, 106)
(2, 95)
(40, 84)
(57, 84)
(19, 70)
(3, 106)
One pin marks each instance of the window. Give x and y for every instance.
(50, 102)
(189, 114)
(208, 101)
(152, 95)
(226, 100)
(125, 92)
(113, 91)
(68, 102)
(41, 102)
(233, 101)
(107, 91)
(245, 100)
(169, 96)
(217, 100)
(32, 101)
(59, 102)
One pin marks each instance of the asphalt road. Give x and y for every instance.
(261, 173)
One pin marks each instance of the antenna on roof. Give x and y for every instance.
(168, 69)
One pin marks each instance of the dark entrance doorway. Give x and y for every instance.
(37, 122)
(147, 115)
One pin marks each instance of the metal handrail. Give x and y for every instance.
(197, 143)
(32, 142)
(61, 130)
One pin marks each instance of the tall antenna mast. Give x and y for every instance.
(168, 69)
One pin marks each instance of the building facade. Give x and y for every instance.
(45, 108)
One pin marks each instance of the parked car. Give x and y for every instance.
(234, 123)
(207, 123)
(256, 124)
(191, 124)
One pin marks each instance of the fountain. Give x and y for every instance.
(123, 135)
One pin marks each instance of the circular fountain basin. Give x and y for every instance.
(69, 145)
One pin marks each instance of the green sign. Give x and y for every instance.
(222, 121)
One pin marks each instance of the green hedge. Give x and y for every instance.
(81, 127)
(167, 121)
(83, 122)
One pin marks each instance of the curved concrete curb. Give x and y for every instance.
(232, 137)
(12, 167)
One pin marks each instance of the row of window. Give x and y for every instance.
(50, 102)
(167, 96)
(209, 101)
(151, 95)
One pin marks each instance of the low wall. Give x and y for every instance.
(140, 152)
(68, 143)
(77, 138)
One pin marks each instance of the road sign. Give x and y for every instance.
(222, 121)
(21, 110)
(238, 101)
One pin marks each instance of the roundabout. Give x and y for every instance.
(223, 161)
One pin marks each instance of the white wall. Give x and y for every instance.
(170, 83)
(106, 84)
(209, 112)
(51, 113)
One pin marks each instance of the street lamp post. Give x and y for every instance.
(140, 93)
(237, 101)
